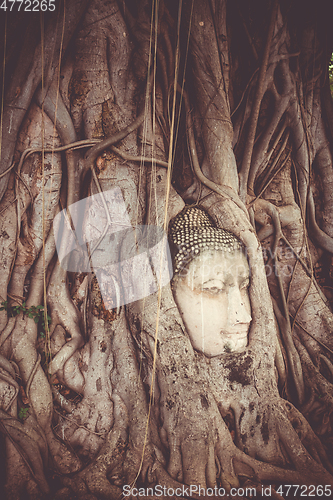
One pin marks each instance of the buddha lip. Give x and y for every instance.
(240, 332)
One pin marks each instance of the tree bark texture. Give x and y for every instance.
(219, 104)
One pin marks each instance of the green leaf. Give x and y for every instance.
(40, 307)
(23, 413)
(36, 319)
(30, 315)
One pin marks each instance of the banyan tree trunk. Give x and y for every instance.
(135, 109)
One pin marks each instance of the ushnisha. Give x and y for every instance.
(192, 231)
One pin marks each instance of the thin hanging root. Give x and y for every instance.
(306, 269)
(307, 436)
(7, 366)
(292, 354)
(248, 150)
(27, 443)
(86, 143)
(323, 239)
(140, 159)
(249, 37)
(327, 363)
(317, 381)
(284, 320)
(32, 374)
(271, 473)
(225, 191)
(7, 331)
(10, 381)
(265, 152)
(110, 141)
(295, 321)
(269, 177)
(117, 293)
(244, 92)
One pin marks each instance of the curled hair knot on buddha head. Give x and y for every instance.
(193, 231)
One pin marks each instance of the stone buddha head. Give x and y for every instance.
(210, 283)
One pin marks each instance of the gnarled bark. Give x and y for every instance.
(202, 103)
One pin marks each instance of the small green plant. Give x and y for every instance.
(34, 312)
(23, 413)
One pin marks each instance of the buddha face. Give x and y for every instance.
(213, 300)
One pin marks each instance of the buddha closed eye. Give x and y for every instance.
(211, 292)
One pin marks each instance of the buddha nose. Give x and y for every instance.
(239, 310)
